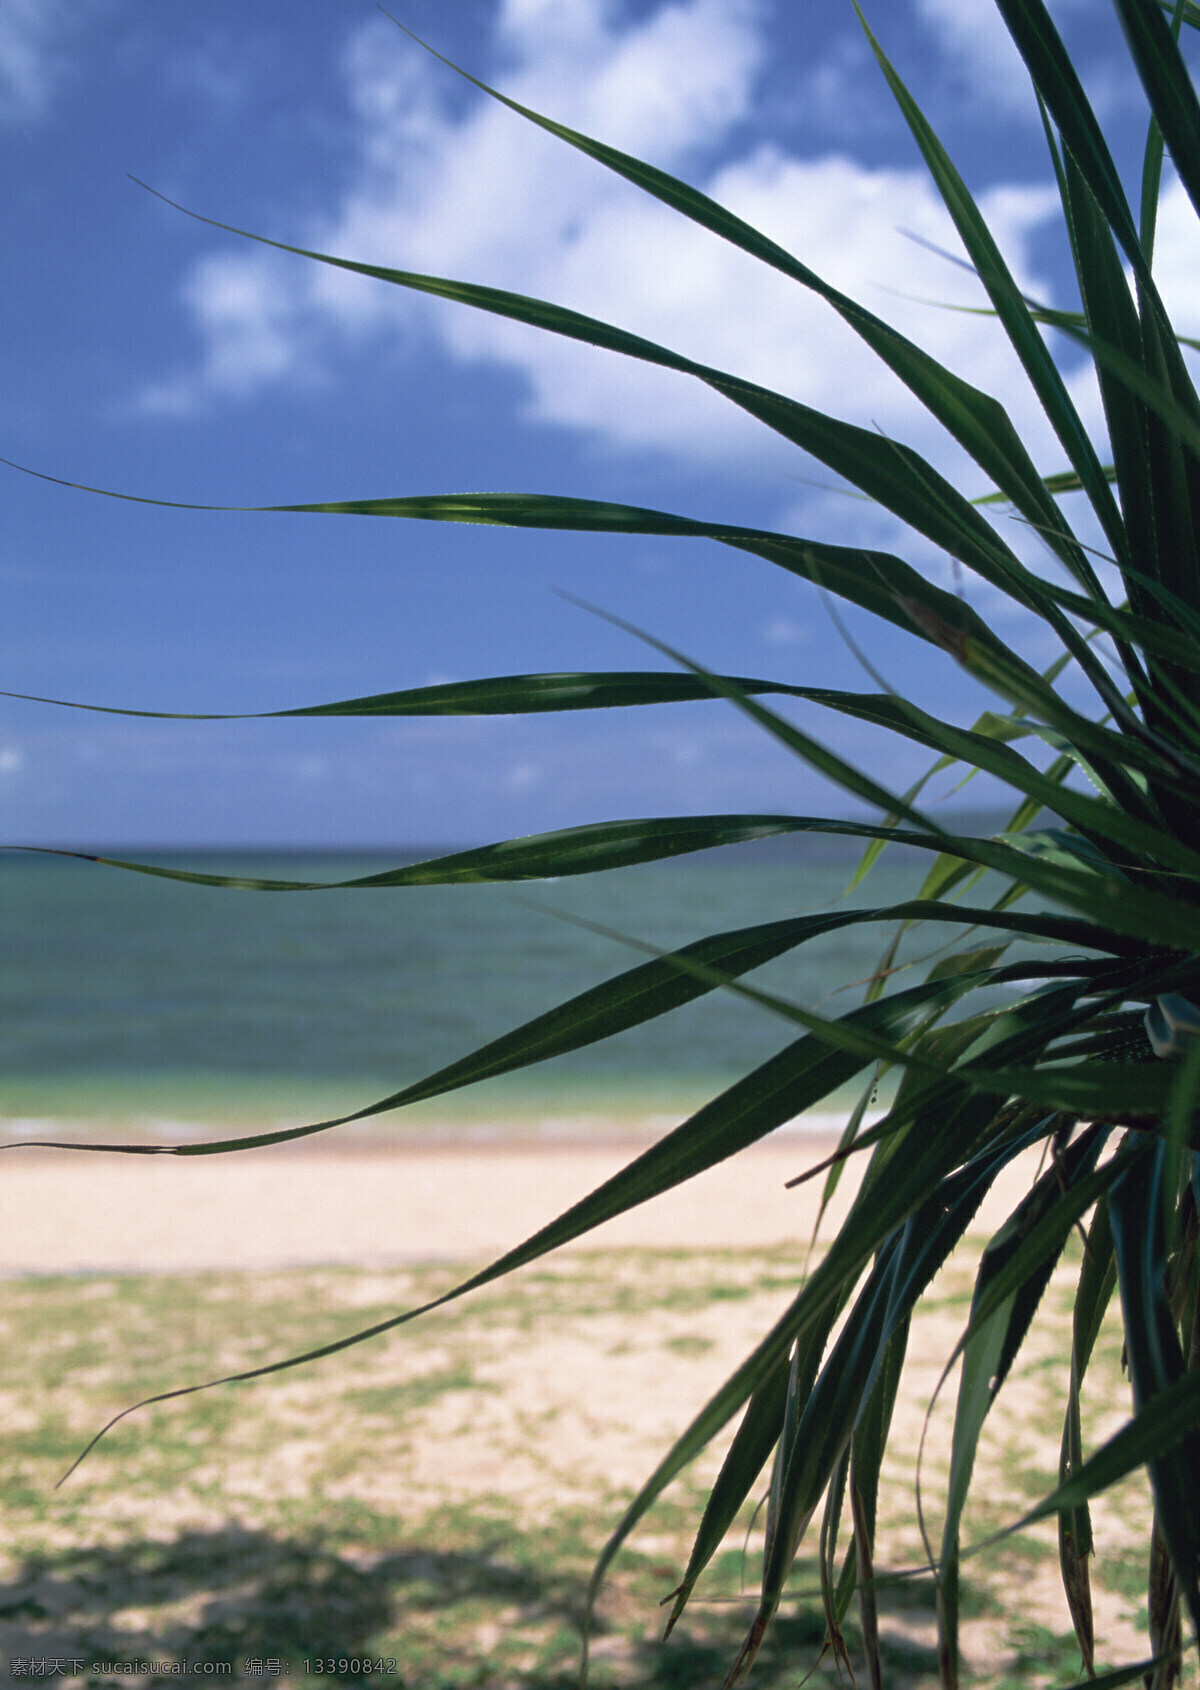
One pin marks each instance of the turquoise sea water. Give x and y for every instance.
(168, 1009)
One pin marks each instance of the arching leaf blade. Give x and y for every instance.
(846, 1388)
(1158, 1428)
(878, 582)
(1058, 85)
(1168, 87)
(990, 753)
(779, 1089)
(1032, 494)
(1156, 1361)
(895, 475)
(995, 1337)
(590, 849)
(498, 695)
(626, 1001)
(744, 1461)
(1130, 916)
(975, 419)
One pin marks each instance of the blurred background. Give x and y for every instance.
(153, 355)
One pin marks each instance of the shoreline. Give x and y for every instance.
(312, 1205)
(296, 1206)
(594, 1127)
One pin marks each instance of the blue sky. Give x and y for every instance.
(151, 354)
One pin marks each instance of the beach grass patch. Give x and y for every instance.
(441, 1508)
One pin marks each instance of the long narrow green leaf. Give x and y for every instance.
(745, 1459)
(866, 1460)
(1156, 1361)
(628, 1000)
(1126, 361)
(987, 752)
(1046, 1237)
(500, 695)
(1119, 1676)
(802, 1370)
(1112, 319)
(1152, 414)
(837, 1589)
(1153, 637)
(777, 1091)
(847, 1142)
(1161, 1425)
(1089, 1088)
(1097, 1280)
(1168, 87)
(1058, 85)
(1063, 480)
(770, 1412)
(899, 478)
(1034, 501)
(867, 1046)
(1187, 11)
(1075, 1541)
(1068, 1170)
(878, 582)
(975, 419)
(821, 1440)
(1176, 609)
(1150, 916)
(1146, 918)
(1072, 321)
(573, 850)
(1089, 179)
(988, 1355)
(1152, 163)
(995, 728)
(1173, 465)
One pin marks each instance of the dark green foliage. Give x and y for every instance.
(979, 1088)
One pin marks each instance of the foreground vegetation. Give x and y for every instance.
(1096, 1060)
(440, 1502)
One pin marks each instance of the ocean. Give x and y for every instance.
(143, 1008)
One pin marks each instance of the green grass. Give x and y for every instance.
(442, 1501)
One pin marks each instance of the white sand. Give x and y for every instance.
(313, 1203)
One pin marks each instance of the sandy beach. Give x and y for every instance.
(542, 1402)
(321, 1202)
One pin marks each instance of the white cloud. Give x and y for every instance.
(973, 37)
(683, 749)
(523, 777)
(34, 40)
(1177, 256)
(475, 192)
(246, 309)
(223, 70)
(1176, 262)
(826, 98)
(785, 630)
